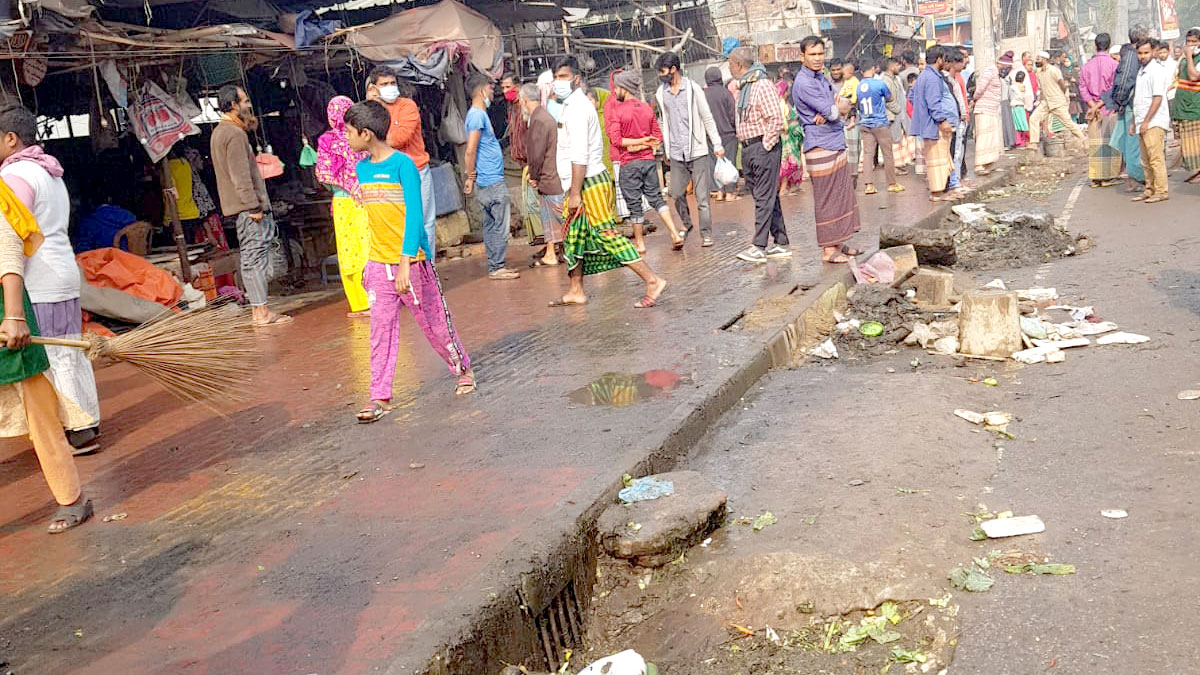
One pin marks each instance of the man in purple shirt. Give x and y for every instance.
(1096, 77)
(821, 112)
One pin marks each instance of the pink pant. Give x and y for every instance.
(430, 311)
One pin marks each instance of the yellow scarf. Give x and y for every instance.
(21, 220)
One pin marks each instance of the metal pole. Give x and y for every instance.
(185, 266)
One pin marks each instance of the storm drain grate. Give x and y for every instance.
(560, 626)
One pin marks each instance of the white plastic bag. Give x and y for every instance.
(725, 173)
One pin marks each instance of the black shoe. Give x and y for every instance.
(84, 441)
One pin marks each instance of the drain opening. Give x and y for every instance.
(560, 626)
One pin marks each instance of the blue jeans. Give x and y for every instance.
(428, 207)
(497, 217)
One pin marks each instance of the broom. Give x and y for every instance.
(196, 355)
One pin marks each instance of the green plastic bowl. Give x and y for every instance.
(871, 329)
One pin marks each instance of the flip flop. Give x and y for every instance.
(839, 259)
(1156, 199)
(538, 262)
(678, 245)
(277, 320)
(566, 303)
(374, 412)
(851, 251)
(645, 303)
(72, 515)
(465, 385)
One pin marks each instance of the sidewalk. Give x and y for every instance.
(287, 538)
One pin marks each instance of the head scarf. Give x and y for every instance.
(1006, 60)
(336, 162)
(754, 74)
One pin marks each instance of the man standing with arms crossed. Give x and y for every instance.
(243, 194)
(686, 120)
(821, 111)
(759, 126)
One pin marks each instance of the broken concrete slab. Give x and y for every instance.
(933, 245)
(652, 533)
(934, 288)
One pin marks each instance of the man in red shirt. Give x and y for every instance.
(405, 134)
(634, 132)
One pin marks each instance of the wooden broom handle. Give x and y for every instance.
(60, 342)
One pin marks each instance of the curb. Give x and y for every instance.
(998, 177)
(498, 625)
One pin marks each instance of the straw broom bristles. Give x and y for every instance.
(196, 355)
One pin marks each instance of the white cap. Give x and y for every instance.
(1043, 55)
(1114, 50)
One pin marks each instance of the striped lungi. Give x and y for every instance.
(854, 148)
(938, 162)
(592, 237)
(834, 204)
(1189, 143)
(1104, 162)
(989, 138)
(533, 211)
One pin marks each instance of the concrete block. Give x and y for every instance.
(904, 257)
(933, 287)
(989, 324)
(665, 527)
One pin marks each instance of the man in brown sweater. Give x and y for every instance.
(243, 195)
(541, 149)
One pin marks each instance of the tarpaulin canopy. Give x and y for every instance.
(416, 32)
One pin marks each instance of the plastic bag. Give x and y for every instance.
(725, 173)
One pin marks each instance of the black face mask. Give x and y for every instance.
(665, 79)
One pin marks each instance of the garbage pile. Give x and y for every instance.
(988, 240)
(948, 314)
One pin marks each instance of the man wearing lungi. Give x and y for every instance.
(1095, 78)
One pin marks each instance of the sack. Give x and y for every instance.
(454, 125)
(725, 173)
(269, 165)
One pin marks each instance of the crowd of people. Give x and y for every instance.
(588, 157)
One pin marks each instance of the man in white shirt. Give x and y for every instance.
(1151, 120)
(51, 274)
(592, 244)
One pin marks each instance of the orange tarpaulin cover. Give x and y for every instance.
(124, 271)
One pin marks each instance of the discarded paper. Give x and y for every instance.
(1115, 514)
(825, 350)
(1122, 338)
(1011, 527)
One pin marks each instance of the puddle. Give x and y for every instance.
(619, 390)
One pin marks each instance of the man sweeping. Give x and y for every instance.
(51, 274)
(28, 402)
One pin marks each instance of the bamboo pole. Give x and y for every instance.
(185, 265)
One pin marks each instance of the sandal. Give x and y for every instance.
(466, 385)
(71, 515)
(563, 302)
(871, 190)
(839, 259)
(706, 242)
(645, 303)
(364, 314)
(677, 245)
(850, 251)
(374, 412)
(1156, 199)
(277, 320)
(539, 262)
(1139, 198)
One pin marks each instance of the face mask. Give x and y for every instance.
(562, 89)
(389, 93)
(487, 101)
(665, 79)
(511, 95)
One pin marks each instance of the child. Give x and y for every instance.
(399, 270)
(1020, 116)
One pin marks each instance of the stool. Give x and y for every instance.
(325, 264)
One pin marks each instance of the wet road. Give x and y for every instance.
(283, 537)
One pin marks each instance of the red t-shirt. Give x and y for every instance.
(631, 118)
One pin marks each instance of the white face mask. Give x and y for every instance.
(389, 93)
(562, 89)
